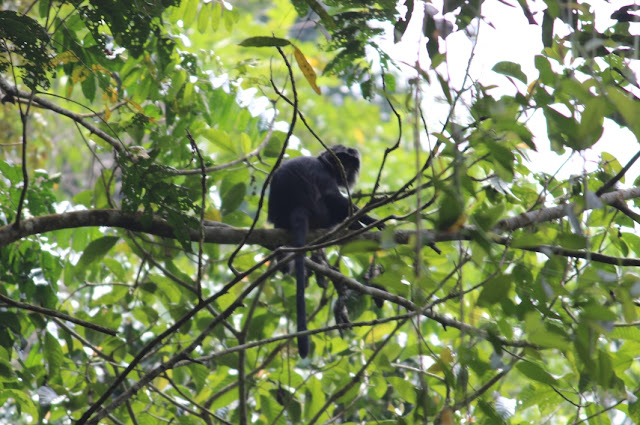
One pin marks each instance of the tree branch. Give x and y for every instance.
(54, 313)
(426, 311)
(219, 233)
(11, 90)
(554, 213)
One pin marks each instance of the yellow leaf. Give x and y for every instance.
(79, 74)
(358, 135)
(107, 113)
(161, 382)
(213, 214)
(446, 356)
(457, 225)
(306, 69)
(136, 105)
(64, 58)
(445, 417)
(110, 95)
(100, 68)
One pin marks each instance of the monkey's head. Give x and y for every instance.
(349, 161)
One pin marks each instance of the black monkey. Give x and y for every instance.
(305, 194)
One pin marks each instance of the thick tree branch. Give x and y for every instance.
(219, 233)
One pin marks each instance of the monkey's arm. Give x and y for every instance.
(365, 219)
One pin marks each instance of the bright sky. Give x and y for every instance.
(513, 39)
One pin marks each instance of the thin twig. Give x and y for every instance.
(203, 182)
(292, 125)
(54, 313)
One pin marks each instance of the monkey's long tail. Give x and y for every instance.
(301, 313)
(300, 224)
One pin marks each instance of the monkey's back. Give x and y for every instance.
(299, 183)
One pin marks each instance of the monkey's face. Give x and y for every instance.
(351, 167)
(349, 159)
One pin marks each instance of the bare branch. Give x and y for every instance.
(9, 89)
(548, 214)
(54, 313)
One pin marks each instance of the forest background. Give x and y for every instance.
(138, 282)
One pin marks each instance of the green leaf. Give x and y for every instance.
(168, 288)
(230, 17)
(595, 311)
(562, 131)
(547, 76)
(233, 190)
(53, 354)
(451, 211)
(199, 374)
(219, 138)
(547, 29)
(264, 42)
(233, 197)
(112, 297)
(510, 69)
(495, 290)
(7, 372)
(528, 240)
(96, 250)
(361, 246)
(177, 81)
(28, 41)
(215, 16)
(592, 120)
(11, 172)
(89, 87)
(406, 390)
(628, 107)
(274, 146)
(626, 333)
(572, 241)
(319, 9)
(634, 411)
(502, 156)
(204, 17)
(27, 406)
(191, 10)
(535, 372)
(393, 281)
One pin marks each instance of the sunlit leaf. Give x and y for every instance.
(306, 69)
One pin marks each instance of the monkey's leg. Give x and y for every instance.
(319, 257)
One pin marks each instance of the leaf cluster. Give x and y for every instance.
(165, 299)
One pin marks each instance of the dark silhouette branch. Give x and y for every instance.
(54, 313)
(219, 233)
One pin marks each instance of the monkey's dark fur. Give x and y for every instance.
(305, 194)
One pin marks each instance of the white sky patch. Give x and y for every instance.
(510, 37)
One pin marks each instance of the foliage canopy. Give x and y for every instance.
(137, 268)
